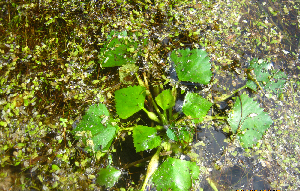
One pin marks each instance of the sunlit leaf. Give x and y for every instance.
(108, 176)
(145, 138)
(97, 122)
(129, 100)
(195, 106)
(253, 121)
(192, 65)
(175, 174)
(165, 99)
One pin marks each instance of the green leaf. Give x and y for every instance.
(192, 65)
(115, 51)
(181, 133)
(253, 121)
(195, 106)
(108, 176)
(165, 99)
(97, 122)
(175, 174)
(171, 134)
(267, 77)
(145, 138)
(130, 100)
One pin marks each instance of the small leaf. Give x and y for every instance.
(252, 119)
(171, 134)
(108, 176)
(130, 100)
(175, 174)
(145, 138)
(195, 106)
(192, 65)
(165, 99)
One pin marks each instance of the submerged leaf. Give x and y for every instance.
(97, 122)
(145, 138)
(268, 78)
(195, 106)
(108, 176)
(130, 100)
(175, 174)
(115, 50)
(192, 65)
(253, 121)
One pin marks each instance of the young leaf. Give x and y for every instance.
(253, 121)
(130, 100)
(175, 174)
(96, 120)
(195, 106)
(145, 138)
(192, 65)
(108, 176)
(165, 99)
(265, 76)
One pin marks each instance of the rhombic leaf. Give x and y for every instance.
(145, 138)
(195, 106)
(130, 100)
(175, 174)
(97, 122)
(253, 121)
(192, 65)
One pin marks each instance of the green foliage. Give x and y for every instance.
(108, 176)
(96, 128)
(145, 138)
(129, 100)
(165, 100)
(192, 65)
(180, 133)
(175, 174)
(195, 106)
(270, 79)
(119, 50)
(248, 120)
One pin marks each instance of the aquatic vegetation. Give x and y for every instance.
(247, 120)
(64, 62)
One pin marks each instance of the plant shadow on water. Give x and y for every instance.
(243, 174)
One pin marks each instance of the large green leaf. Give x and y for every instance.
(175, 174)
(195, 106)
(108, 176)
(130, 100)
(97, 122)
(268, 78)
(145, 138)
(165, 99)
(253, 121)
(192, 65)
